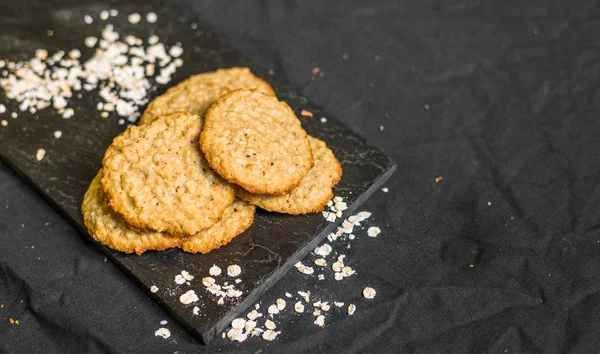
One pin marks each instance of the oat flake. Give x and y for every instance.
(153, 288)
(188, 298)
(369, 292)
(214, 270)
(162, 332)
(270, 324)
(299, 307)
(351, 309)
(39, 155)
(373, 231)
(234, 270)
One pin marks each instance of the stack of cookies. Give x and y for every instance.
(204, 156)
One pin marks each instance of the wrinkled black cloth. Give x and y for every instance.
(498, 100)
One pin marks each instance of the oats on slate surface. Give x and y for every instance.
(214, 270)
(369, 292)
(189, 297)
(153, 288)
(162, 332)
(373, 231)
(234, 270)
(351, 309)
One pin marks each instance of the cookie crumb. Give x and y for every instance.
(438, 179)
(306, 113)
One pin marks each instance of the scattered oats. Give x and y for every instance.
(90, 42)
(164, 322)
(104, 15)
(152, 40)
(280, 304)
(373, 231)
(338, 304)
(347, 271)
(270, 324)
(175, 51)
(153, 288)
(134, 18)
(323, 120)
(196, 310)
(113, 12)
(104, 114)
(369, 293)
(234, 293)
(306, 113)
(179, 279)
(257, 306)
(151, 17)
(237, 335)
(321, 262)
(74, 54)
(273, 310)
(238, 323)
(252, 315)
(178, 62)
(324, 250)
(41, 54)
(304, 269)
(321, 277)
(338, 276)
(162, 332)
(317, 304)
(339, 264)
(250, 325)
(351, 309)
(2, 108)
(325, 306)
(109, 107)
(88, 19)
(299, 307)
(331, 217)
(14, 115)
(269, 335)
(188, 297)
(234, 270)
(68, 113)
(352, 237)
(4, 123)
(385, 190)
(320, 321)
(220, 301)
(305, 295)
(186, 275)
(39, 155)
(214, 271)
(238, 280)
(208, 281)
(223, 335)
(121, 121)
(288, 295)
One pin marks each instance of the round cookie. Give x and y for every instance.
(156, 178)
(197, 93)
(108, 229)
(236, 219)
(257, 142)
(314, 191)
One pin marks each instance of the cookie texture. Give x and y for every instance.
(236, 219)
(314, 191)
(156, 178)
(257, 142)
(107, 227)
(197, 93)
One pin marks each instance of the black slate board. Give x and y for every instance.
(265, 252)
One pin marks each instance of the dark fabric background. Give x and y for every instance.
(512, 127)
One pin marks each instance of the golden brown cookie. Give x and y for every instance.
(107, 228)
(257, 142)
(155, 177)
(314, 191)
(236, 219)
(197, 93)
